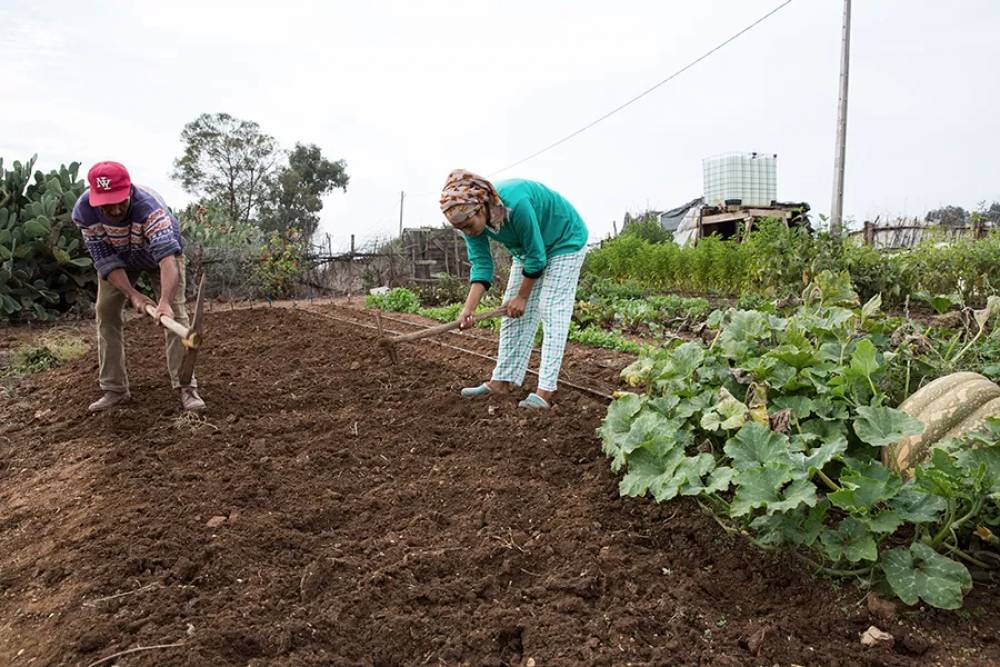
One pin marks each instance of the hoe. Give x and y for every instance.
(191, 336)
(390, 343)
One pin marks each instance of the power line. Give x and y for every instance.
(643, 93)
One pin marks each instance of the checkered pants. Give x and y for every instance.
(551, 301)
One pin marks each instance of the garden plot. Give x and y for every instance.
(333, 509)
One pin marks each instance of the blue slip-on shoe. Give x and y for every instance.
(535, 402)
(476, 392)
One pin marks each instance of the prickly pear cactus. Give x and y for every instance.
(44, 268)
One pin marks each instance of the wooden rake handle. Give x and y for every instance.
(441, 328)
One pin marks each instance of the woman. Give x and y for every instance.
(546, 237)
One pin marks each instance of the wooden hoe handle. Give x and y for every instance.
(173, 326)
(441, 328)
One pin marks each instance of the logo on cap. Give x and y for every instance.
(103, 182)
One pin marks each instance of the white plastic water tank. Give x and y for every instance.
(747, 178)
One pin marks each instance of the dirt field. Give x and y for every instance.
(336, 510)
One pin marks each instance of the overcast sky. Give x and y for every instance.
(405, 91)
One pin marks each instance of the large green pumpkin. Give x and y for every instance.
(949, 406)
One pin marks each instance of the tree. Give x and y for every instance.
(296, 194)
(949, 216)
(646, 226)
(227, 160)
(990, 214)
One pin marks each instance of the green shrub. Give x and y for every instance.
(397, 300)
(443, 290)
(650, 230)
(276, 269)
(592, 286)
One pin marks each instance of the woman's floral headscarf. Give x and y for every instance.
(465, 193)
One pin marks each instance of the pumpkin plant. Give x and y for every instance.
(777, 428)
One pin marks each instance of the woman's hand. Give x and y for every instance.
(516, 306)
(476, 291)
(465, 318)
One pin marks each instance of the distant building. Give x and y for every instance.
(740, 189)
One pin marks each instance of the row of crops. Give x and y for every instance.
(782, 427)
(775, 416)
(775, 261)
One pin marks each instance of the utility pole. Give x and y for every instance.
(837, 208)
(402, 196)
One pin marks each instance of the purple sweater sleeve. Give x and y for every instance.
(105, 258)
(160, 232)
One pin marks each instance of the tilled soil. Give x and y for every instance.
(333, 509)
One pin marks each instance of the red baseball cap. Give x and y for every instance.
(109, 183)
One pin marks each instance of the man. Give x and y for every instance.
(129, 230)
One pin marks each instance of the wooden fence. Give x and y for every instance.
(907, 234)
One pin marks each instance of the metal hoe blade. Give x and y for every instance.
(386, 343)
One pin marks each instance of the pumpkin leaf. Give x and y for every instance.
(851, 540)
(771, 488)
(757, 402)
(818, 457)
(616, 426)
(685, 478)
(991, 309)
(800, 406)
(685, 359)
(745, 328)
(647, 425)
(646, 470)
(921, 573)
(756, 445)
(793, 356)
(916, 506)
(883, 426)
(728, 414)
(719, 481)
(941, 303)
(884, 522)
(942, 476)
(864, 484)
(871, 307)
(665, 404)
(989, 459)
(800, 526)
(864, 359)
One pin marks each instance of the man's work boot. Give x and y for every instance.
(190, 399)
(109, 400)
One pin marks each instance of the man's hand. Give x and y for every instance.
(139, 302)
(465, 318)
(516, 306)
(163, 308)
